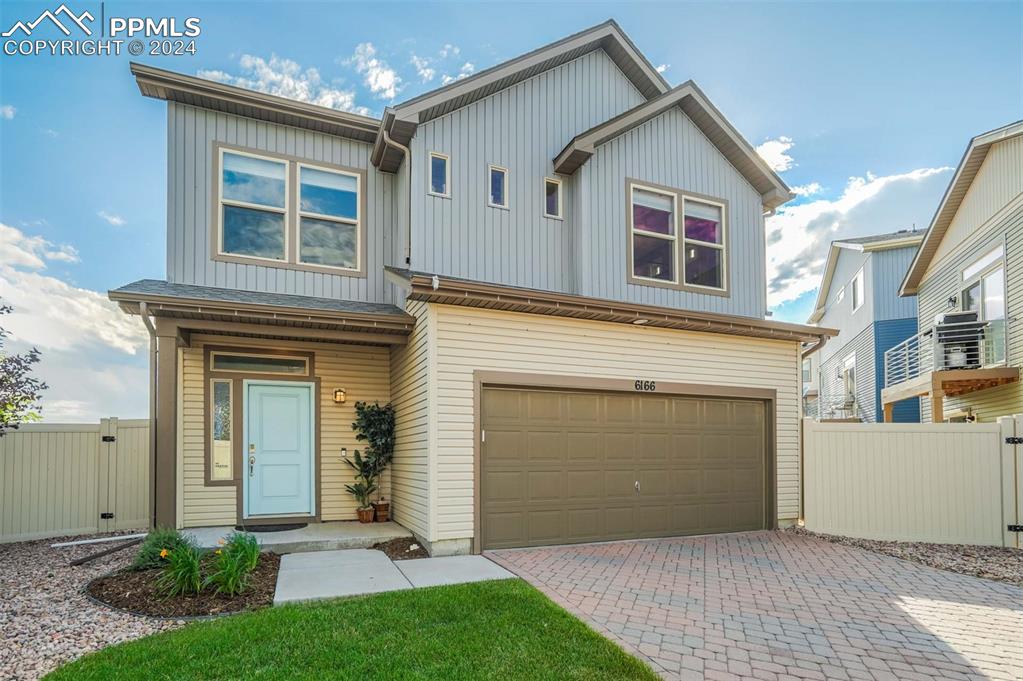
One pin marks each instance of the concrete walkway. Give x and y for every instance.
(773, 605)
(334, 574)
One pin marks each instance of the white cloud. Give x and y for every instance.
(807, 189)
(449, 50)
(381, 79)
(92, 355)
(774, 152)
(467, 69)
(423, 69)
(112, 218)
(798, 236)
(286, 78)
(661, 68)
(7, 112)
(50, 132)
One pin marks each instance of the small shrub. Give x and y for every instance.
(246, 547)
(156, 541)
(229, 576)
(181, 575)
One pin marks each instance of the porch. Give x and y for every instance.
(328, 536)
(946, 360)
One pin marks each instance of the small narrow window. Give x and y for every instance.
(221, 451)
(704, 244)
(653, 235)
(328, 218)
(857, 291)
(806, 371)
(260, 364)
(253, 206)
(440, 174)
(498, 187)
(552, 198)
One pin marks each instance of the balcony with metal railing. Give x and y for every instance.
(947, 360)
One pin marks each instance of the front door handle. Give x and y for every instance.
(252, 459)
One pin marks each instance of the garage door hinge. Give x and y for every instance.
(109, 438)
(1014, 440)
(1015, 528)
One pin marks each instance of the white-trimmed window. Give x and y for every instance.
(328, 217)
(807, 371)
(253, 195)
(221, 430)
(857, 291)
(984, 293)
(254, 363)
(497, 187)
(704, 243)
(653, 234)
(848, 375)
(552, 197)
(440, 174)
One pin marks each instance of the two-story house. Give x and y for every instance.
(554, 270)
(859, 296)
(967, 279)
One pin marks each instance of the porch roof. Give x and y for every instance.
(217, 309)
(453, 291)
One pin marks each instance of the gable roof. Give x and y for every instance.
(877, 242)
(707, 118)
(969, 166)
(208, 94)
(400, 122)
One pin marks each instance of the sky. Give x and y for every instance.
(863, 108)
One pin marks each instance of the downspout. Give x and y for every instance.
(408, 181)
(821, 341)
(153, 353)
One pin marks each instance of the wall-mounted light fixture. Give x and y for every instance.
(339, 396)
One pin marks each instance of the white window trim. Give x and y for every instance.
(977, 268)
(221, 202)
(490, 170)
(213, 429)
(329, 218)
(256, 355)
(633, 232)
(858, 291)
(447, 174)
(561, 211)
(721, 246)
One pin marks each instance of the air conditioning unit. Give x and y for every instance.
(958, 336)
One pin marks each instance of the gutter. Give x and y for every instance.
(153, 357)
(821, 341)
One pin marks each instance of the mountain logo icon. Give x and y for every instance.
(75, 20)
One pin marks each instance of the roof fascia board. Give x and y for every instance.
(824, 290)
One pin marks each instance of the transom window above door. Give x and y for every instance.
(696, 259)
(289, 213)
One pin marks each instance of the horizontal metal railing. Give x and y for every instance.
(964, 345)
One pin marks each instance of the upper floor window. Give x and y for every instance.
(328, 213)
(552, 198)
(807, 371)
(440, 174)
(696, 260)
(498, 183)
(295, 214)
(857, 291)
(254, 198)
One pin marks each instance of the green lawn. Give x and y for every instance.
(490, 630)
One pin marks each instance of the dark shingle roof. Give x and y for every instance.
(158, 287)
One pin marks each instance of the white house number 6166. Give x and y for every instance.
(646, 386)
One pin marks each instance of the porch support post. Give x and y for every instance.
(889, 408)
(166, 427)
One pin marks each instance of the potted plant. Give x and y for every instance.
(364, 485)
(374, 425)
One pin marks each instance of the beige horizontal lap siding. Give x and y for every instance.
(201, 506)
(473, 339)
(410, 371)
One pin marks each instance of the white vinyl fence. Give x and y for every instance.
(934, 482)
(66, 479)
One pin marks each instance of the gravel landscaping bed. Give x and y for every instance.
(990, 562)
(403, 548)
(46, 618)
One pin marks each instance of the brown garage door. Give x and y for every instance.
(563, 467)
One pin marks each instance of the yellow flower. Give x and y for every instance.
(218, 552)
(164, 553)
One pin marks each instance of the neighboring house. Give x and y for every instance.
(554, 269)
(811, 385)
(968, 282)
(859, 296)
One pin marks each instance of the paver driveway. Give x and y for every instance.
(774, 605)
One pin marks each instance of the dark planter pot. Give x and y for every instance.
(365, 514)
(382, 511)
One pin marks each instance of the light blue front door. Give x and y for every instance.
(278, 448)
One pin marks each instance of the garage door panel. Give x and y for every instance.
(561, 467)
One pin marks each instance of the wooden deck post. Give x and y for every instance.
(889, 408)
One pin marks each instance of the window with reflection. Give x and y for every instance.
(253, 196)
